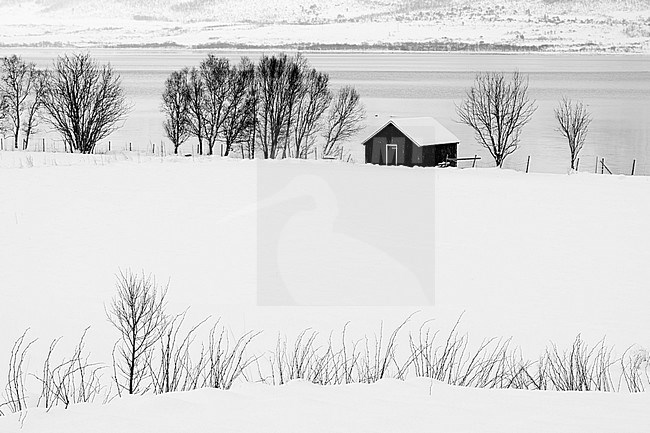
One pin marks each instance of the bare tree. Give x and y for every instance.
(215, 73)
(17, 79)
(239, 117)
(294, 79)
(138, 313)
(574, 120)
(248, 146)
(85, 101)
(344, 120)
(497, 109)
(196, 88)
(313, 99)
(34, 105)
(4, 107)
(277, 79)
(175, 106)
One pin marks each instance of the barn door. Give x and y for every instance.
(391, 154)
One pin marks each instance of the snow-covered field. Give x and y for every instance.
(388, 406)
(280, 246)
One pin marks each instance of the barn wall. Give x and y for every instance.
(429, 156)
(417, 155)
(376, 148)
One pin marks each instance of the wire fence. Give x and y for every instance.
(43, 144)
(587, 164)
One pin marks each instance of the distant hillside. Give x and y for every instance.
(321, 11)
(598, 25)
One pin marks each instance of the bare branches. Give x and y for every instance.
(72, 381)
(223, 362)
(573, 119)
(175, 106)
(138, 313)
(276, 105)
(497, 109)
(278, 80)
(313, 99)
(239, 122)
(196, 91)
(224, 359)
(15, 388)
(173, 369)
(34, 105)
(21, 88)
(215, 74)
(577, 369)
(634, 369)
(344, 120)
(85, 101)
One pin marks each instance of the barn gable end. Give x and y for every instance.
(411, 142)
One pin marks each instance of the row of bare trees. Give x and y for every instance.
(497, 108)
(79, 98)
(22, 94)
(278, 106)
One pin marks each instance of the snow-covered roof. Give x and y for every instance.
(423, 131)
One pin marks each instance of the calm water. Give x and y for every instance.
(615, 87)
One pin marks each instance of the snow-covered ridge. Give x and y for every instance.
(599, 25)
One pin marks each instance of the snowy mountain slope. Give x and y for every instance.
(233, 11)
(602, 24)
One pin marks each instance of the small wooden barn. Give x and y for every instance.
(412, 141)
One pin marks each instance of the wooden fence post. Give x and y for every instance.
(633, 166)
(602, 166)
(474, 161)
(43, 144)
(528, 164)
(130, 148)
(596, 169)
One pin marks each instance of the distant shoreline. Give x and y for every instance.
(406, 47)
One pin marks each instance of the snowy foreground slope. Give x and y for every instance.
(280, 246)
(388, 406)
